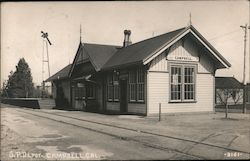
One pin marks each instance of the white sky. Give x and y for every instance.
(103, 22)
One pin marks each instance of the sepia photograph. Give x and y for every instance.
(125, 80)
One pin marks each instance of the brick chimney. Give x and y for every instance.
(127, 41)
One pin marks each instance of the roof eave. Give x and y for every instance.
(56, 79)
(121, 66)
(165, 46)
(192, 30)
(223, 61)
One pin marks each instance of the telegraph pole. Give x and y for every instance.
(244, 68)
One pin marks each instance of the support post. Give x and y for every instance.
(226, 110)
(159, 111)
(244, 98)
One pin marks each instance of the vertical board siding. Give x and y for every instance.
(132, 107)
(78, 104)
(99, 93)
(53, 90)
(159, 93)
(66, 89)
(137, 108)
(113, 106)
(205, 64)
(159, 63)
(189, 49)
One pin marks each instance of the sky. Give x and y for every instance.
(104, 22)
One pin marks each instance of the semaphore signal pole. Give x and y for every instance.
(46, 40)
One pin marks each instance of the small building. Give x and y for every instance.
(233, 86)
(175, 69)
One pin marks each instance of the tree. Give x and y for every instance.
(3, 89)
(237, 95)
(223, 95)
(20, 82)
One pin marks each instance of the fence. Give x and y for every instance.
(23, 102)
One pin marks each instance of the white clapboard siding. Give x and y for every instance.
(113, 106)
(158, 92)
(137, 108)
(158, 80)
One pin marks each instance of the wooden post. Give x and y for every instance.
(159, 111)
(244, 98)
(226, 110)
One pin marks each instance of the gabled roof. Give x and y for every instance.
(106, 57)
(145, 51)
(97, 54)
(137, 52)
(227, 83)
(62, 74)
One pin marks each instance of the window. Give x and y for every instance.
(116, 87)
(91, 91)
(136, 85)
(189, 83)
(110, 87)
(182, 82)
(113, 87)
(80, 91)
(176, 84)
(140, 85)
(132, 86)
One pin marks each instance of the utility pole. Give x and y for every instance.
(244, 68)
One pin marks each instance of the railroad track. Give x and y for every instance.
(194, 156)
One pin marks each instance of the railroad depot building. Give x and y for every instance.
(175, 69)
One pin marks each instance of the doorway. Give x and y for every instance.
(123, 96)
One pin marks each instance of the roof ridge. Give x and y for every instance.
(138, 41)
(101, 44)
(157, 36)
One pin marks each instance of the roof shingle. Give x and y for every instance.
(138, 51)
(227, 82)
(62, 74)
(99, 54)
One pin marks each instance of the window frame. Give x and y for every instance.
(140, 72)
(80, 92)
(134, 85)
(116, 87)
(182, 96)
(90, 87)
(111, 87)
(137, 84)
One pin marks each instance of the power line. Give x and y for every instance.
(225, 34)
